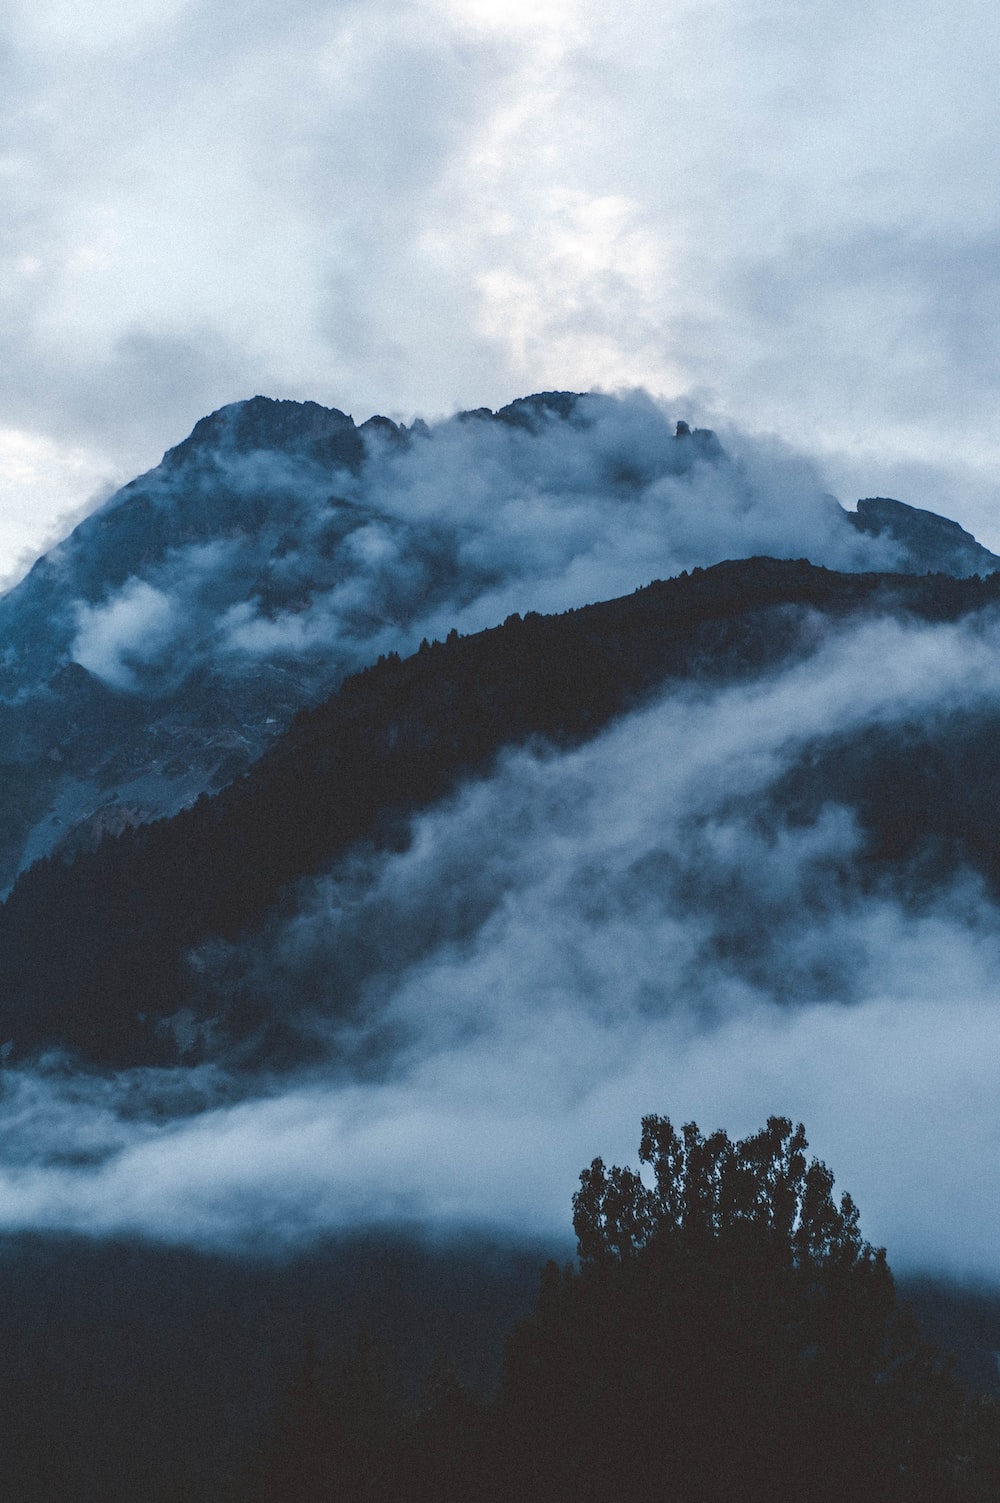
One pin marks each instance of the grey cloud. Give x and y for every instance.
(419, 208)
(178, 245)
(913, 314)
(801, 221)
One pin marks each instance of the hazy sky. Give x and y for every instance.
(789, 212)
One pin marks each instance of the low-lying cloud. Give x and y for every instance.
(583, 937)
(132, 628)
(295, 563)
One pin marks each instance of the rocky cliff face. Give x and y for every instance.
(112, 692)
(932, 544)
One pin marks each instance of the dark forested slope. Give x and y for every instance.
(92, 953)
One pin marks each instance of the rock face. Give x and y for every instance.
(262, 425)
(158, 650)
(933, 544)
(112, 695)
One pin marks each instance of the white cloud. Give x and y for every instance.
(578, 940)
(133, 627)
(471, 522)
(42, 486)
(415, 206)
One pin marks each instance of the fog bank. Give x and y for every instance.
(584, 937)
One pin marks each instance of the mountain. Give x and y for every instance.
(933, 544)
(400, 845)
(157, 651)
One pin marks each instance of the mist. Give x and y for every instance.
(636, 925)
(322, 567)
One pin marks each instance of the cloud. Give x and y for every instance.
(470, 521)
(423, 206)
(134, 627)
(583, 937)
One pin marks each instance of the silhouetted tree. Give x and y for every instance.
(728, 1334)
(444, 1454)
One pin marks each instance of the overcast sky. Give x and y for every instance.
(788, 211)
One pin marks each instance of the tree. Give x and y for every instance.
(727, 1334)
(443, 1456)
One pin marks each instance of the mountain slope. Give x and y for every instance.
(92, 955)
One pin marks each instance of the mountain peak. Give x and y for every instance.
(267, 423)
(932, 542)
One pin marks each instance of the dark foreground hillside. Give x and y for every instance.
(726, 1333)
(93, 953)
(372, 1367)
(134, 1372)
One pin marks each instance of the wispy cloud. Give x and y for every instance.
(584, 937)
(295, 562)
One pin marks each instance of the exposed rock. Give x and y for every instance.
(933, 544)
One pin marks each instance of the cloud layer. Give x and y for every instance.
(293, 562)
(416, 205)
(583, 938)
